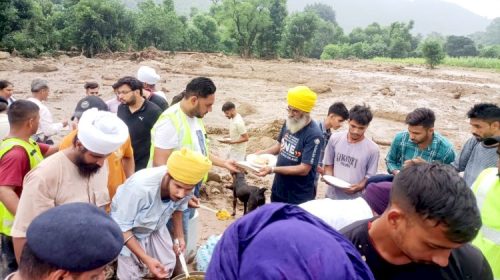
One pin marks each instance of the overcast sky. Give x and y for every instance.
(485, 8)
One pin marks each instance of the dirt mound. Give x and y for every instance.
(320, 88)
(386, 91)
(390, 115)
(42, 68)
(259, 143)
(246, 109)
(220, 64)
(150, 53)
(4, 55)
(217, 130)
(271, 130)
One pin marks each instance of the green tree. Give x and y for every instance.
(202, 34)
(299, 31)
(490, 51)
(324, 11)
(99, 26)
(400, 39)
(244, 20)
(270, 37)
(159, 26)
(326, 33)
(460, 46)
(432, 52)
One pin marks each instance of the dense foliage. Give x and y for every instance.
(250, 28)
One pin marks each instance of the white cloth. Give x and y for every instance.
(147, 75)
(47, 126)
(101, 132)
(236, 129)
(161, 94)
(4, 126)
(339, 213)
(166, 137)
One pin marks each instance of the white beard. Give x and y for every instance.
(295, 125)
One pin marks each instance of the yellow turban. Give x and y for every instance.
(302, 98)
(188, 167)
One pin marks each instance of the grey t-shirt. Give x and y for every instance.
(352, 162)
(475, 158)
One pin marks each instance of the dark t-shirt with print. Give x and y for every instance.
(303, 146)
(466, 262)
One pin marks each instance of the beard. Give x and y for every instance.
(294, 125)
(86, 170)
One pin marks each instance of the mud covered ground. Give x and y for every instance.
(258, 88)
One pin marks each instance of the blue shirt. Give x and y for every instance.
(304, 146)
(138, 206)
(402, 149)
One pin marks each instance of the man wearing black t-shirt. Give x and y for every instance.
(424, 233)
(139, 114)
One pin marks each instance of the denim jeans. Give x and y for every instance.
(9, 263)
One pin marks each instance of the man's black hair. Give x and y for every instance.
(21, 111)
(91, 85)
(132, 83)
(228, 106)
(421, 116)
(361, 114)
(339, 109)
(200, 87)
(4, 84)
(485, 111)
(436, 192)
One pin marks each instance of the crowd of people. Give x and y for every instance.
(123, 184)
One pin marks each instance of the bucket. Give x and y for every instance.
(192, 239)
(194, 275)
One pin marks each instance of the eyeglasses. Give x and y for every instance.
(292, 110)
(123, 92)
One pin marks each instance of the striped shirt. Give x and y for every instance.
(474, 158)
(402, 149)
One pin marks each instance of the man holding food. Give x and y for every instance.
(298, 149)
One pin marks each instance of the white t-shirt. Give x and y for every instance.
(47, 125)
(166, 137)
(236, 129)
(339, 213)
(4, 126)
(352, 162)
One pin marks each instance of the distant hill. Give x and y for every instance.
(428, 15)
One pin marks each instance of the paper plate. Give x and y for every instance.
(252, 158)
(247, 166)
(336, 182)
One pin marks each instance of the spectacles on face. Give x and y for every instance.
(292, 110)
(124, 92)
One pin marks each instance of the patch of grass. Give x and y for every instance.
(466, 62)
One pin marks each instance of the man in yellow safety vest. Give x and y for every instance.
(18, 155)
(487, 191)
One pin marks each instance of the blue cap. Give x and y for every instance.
(76, 237)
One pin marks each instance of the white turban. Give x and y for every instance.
(101, 132)
(147, 75)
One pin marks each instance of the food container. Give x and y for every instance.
(193, 275)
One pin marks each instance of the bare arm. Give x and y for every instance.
(128, 166)
(243, 138)
(329, 170)
(227, 164)
(177, 217)
(296, 170)
(153, 264)
(161, 156)
(18, 243)
(52, 150)
(9, 198)
(273, 150)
